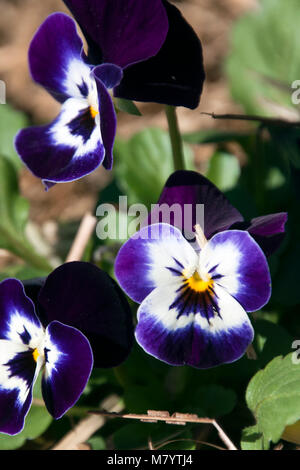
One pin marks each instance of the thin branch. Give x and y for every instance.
(176, 418)
(189, 440)
(82, 238)
(150, 444)
(264, 120)
(229, 444)
(153, 416)
(80, 434)
(279, 446)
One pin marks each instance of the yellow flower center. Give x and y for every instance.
(197, 284)
(94, 111)
(35, 354)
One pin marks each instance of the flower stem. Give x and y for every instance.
(23, 249)
(175, 137)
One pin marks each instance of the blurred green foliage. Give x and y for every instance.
(265, 58)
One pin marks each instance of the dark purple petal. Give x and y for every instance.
(17, 377)
(18, 373)
(121, 32)
(12, 417)
(66, 150)
(191, 337)
(18, 321)
(55, 57)
(69, 362)
(32, 288)
(81, 295)
(268, 231)
(191, 188)
(236, 262)
(175, 76)
(107, 76)
(154, 256)
(20, 334)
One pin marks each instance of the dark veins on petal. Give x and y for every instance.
(23, 366)
(191, 301)
(25, 336)
(83, 88)
(83, 124)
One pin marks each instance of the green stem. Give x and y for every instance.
(120, 374)
(35, 260)
(175, 137)
(25, 251)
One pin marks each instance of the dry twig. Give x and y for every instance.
(82, 238)
(182, 419)
(86, 428)
(262, 119)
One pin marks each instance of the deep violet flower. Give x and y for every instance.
(26, 348)
(83, 296)
(191, 188)
(194, 303)
(82, 136)
(160, 54)
(134, 40)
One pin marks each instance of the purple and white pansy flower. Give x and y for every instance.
(132, 54)
(187, 190)
(26, 347)
(62, 326)
(194, 302)
(82, 136)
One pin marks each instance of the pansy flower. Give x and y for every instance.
(194, 302)
(26, 348)
(60, 325)
(159, 52)
(81, 137)
(187, 189)
(122, 36)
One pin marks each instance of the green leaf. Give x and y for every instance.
(140, 398)
(11, 121)
(286, 144)
(127, 106)
(251, 439)
(224, 170)
(273, 396)
(22, 272)
(13, 217)
(214, 136)
(213, 401)
(271, 340)
(259, 79)
(286, 284)
(37, 422)
(97, 443)
(13, 208)
(144, 163)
